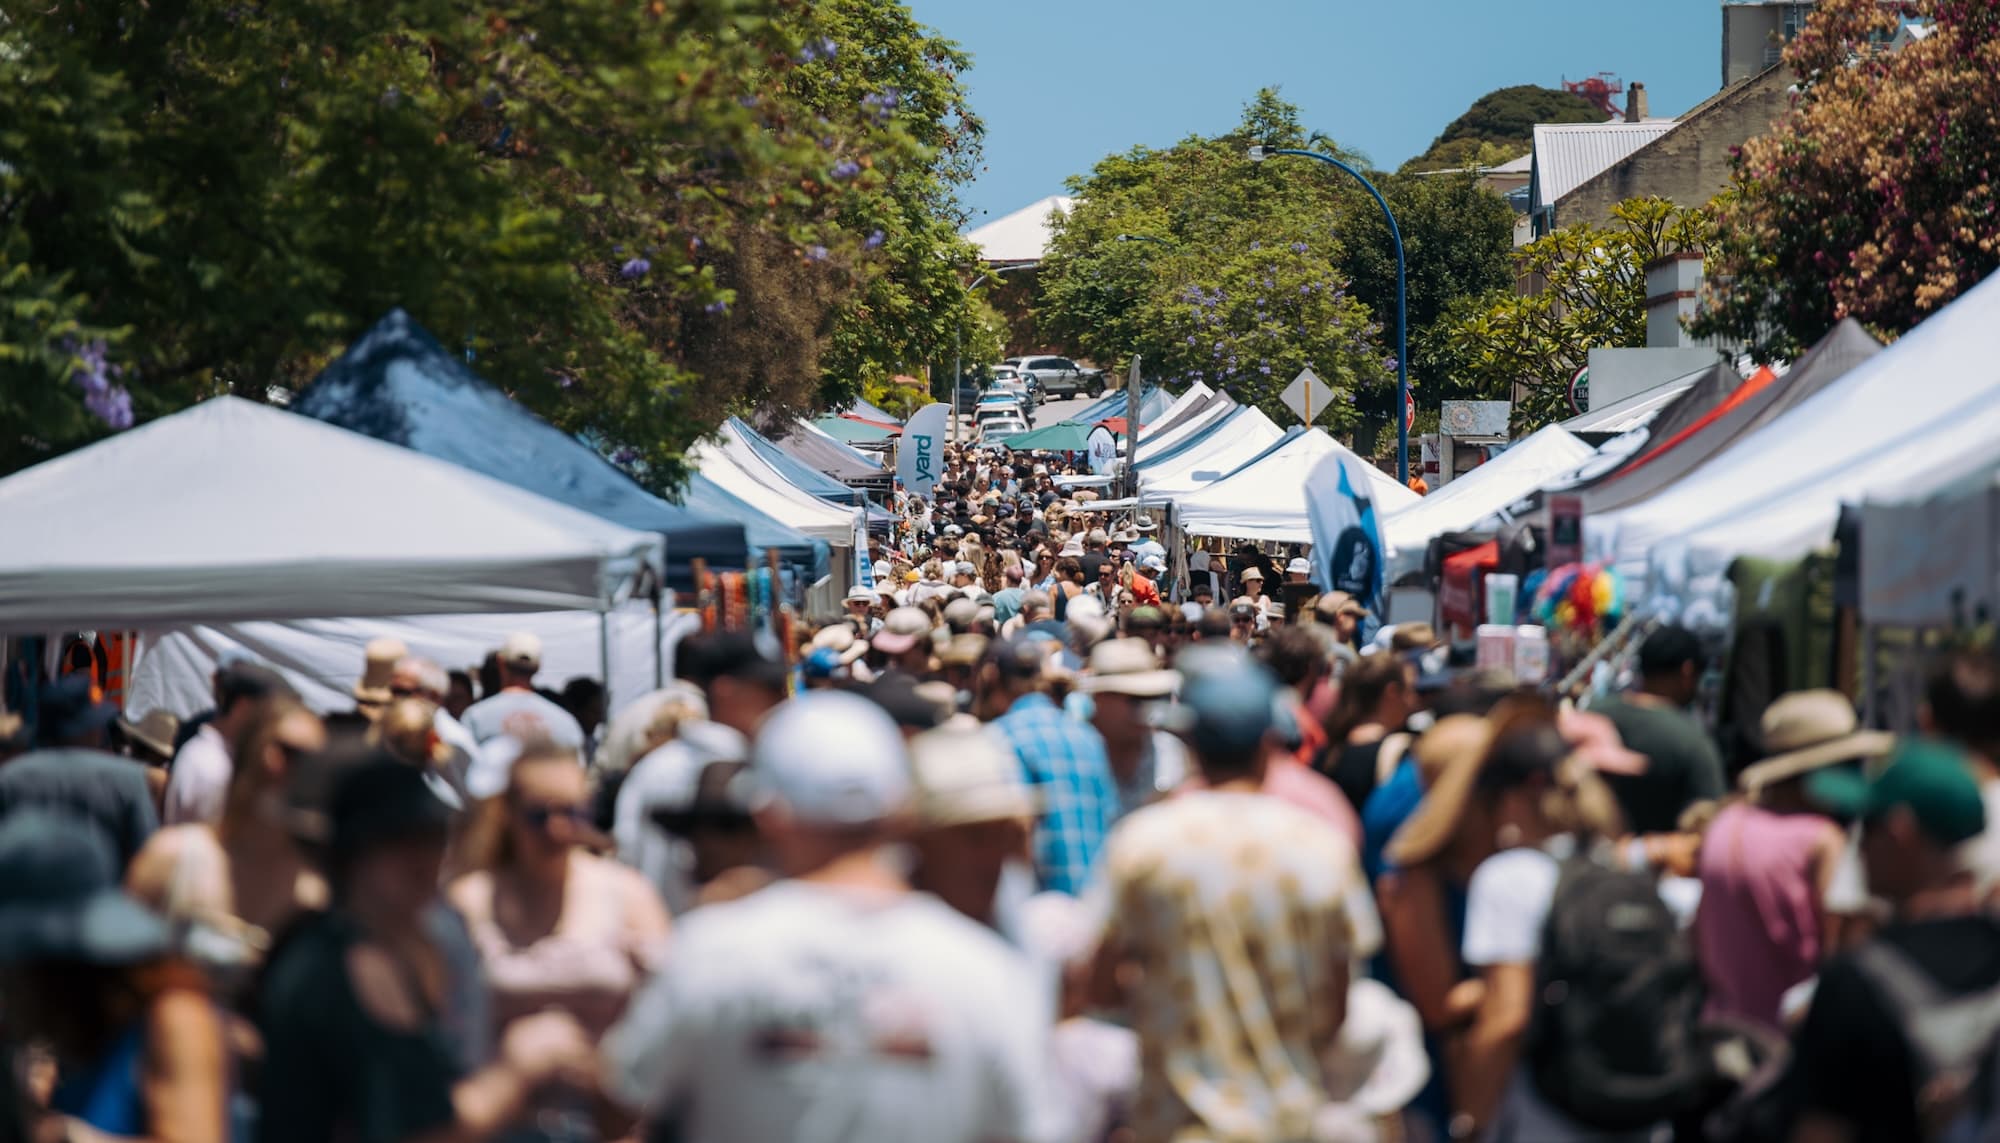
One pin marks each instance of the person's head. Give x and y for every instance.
(1803, 733)
(1228, 713)
(489, 675)
(1299, 570)
(240, 690)
(1341, 612)
(1035, 607)
(1242, 621)
(1013, 668)
(386, 843)
(816, 805)
(1253, 581)
(1295, 656)
(542, 815)
(1202, 593)
(740, 680)
(716, 822)
(583, 698)
(1096, 540)
(973, 814)
(1375, 690)
(1013, 575)
(1152, 567)
(1214, 626)
(1069, 569)
(1521, 789)
(416, 676)
(1670, 663)
(1962, 704)
(73, 715)
(407, 728)
(520, 660)
(1124, 680)
(73, 944)
(1916, 814)
(907, 639)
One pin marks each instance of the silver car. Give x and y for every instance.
(1059, 376)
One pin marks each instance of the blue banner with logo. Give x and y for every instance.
(1346, 532)
(920, 453)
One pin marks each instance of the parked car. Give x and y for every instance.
(1002, 405)
(1008, 373)
(1000, 428)
(1059, 376)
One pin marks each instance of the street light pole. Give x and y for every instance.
(1257, 155)
(958, 354)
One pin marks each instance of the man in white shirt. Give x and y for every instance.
(837, 1003)
(425, 679)
(198, 782)
(518, 711)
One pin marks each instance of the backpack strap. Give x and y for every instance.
(1948, 1034)
(1390, 754)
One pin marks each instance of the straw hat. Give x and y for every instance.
(1449, 757)
(966, 774)
(839, 638)
(155, 732)
(1128, 667)
(1810, 730)
(382, 653)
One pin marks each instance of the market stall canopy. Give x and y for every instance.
(794, 471)
(868, 412)
(1153, 446)
(1266, 499)
(1923, 411)
(1479, 494)
(1153, 401)
(397, 384)
(232, 510)
(1634, 412)
(742, 474)
(1658, 466)
(1242, 436)
(808, 445)
(1181, 413)
(849, 431)
(811, 556)
(1195, 394)
(1911, 576)
(1063, 436)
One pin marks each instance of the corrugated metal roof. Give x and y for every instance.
(1567, 155)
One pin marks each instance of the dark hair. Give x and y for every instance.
(1067, 566)
(704, 658)
(1361, 691)
(1293, 654)
(460, 678)
(248, 682)
(580, 691)
(1667, 650)
(489, 675)
(1963, 693)
(1214, 624)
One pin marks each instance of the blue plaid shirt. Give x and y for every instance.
(1064, 761)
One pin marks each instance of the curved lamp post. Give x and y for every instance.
(1257, 155)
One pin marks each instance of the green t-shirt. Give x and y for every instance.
(1682, 766)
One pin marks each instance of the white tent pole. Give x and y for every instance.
(659, 636)
(604, 656)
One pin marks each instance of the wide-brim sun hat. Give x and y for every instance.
(1807, 731)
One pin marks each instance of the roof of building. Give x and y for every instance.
(1635, 411)
(1020, 237)
(1567, 155)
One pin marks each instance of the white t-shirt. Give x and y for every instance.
(1506, 904)
(666, 779)
(522, 714)
(198, 783)
(805, 1011)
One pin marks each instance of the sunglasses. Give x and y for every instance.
(540, 816)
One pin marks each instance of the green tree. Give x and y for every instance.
(1500, 125)
(633, 214)
(1592, 294)
(1217, 228)
(1875, 198)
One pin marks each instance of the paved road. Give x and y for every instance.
(1047, 413)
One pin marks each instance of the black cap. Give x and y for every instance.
(896, 693)
(730, 655)
(70, 709)
(383, 799)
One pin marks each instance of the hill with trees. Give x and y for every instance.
(1500, 125)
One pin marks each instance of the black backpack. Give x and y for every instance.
(1954, 1042)
(1615, 1040)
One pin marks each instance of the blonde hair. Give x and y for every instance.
(486, 844)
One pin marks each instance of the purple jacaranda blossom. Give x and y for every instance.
(845, 169)
(626, 454)
(749, 100)
(617, 249)
(1256, 246)
(816, 253)
(1190, 339)
(566, 380)
(1264, 368)
(1389, 363)
(1298, 247)
(391, 96)
(875, 239)
(634, 268)
(716, 307)
(882, 105)
(113, 407)
(821, 49)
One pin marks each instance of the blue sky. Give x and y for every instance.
(1062, 84)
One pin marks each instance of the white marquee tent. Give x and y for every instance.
(731, 463)
(1465, 502)
(1231, 443)
(1195, 424)
(235, 511)
(1921, 413)
(1266, 500)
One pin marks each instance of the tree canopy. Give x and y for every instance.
(1500, 125)
(1240, 274)
(634, 216)
(1875, 198)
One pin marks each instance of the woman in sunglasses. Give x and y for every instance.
(556, 925)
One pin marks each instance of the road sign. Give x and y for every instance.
(1409, 410)
(1307, 395)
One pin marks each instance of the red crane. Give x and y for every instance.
(1598, 89)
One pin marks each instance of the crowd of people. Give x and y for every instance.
(1028, 845)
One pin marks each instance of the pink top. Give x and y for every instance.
(1758, 926)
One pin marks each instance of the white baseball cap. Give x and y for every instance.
(865, 780)
(1153, 563)
(521, 650)
(1299, 566)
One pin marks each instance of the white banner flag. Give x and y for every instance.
(920, 456)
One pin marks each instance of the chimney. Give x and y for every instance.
(1635, 102)
(1673, 291)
